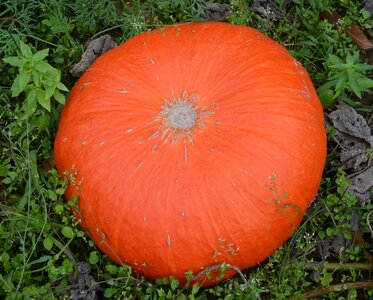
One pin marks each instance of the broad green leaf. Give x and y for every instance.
(49, 91)
(340, 84)
(24, 78)
(4, 257)
(112, 269)
(338, 75)
(93, 258)
(58, 209)
(327, 98)
(30, 104)
(334, 62)
(40, 55)
(20, 83)
(174, 283)
(329, 231)
(62, 87)
(195, 288)
(43, 100)
(14, 61)
(25, 50)
(326, 86)
(354, 85)
(365, 83)
(109, 292)
(365, 13)
(67, 231)
(353, 59)
(363, 68)
(59, 97)
(36, 77)
(349, 59)
(48, 243)
(42, 66)
(15, 88)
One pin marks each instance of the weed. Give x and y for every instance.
(345, 77)
(38, 79)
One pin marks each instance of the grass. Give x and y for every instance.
(42, 246)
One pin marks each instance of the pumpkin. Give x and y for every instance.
(190, 146)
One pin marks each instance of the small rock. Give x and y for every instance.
(216, 11)
(95, 48)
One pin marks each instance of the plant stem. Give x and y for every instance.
(340, 267)
(334, 288)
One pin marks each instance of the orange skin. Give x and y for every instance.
(231, 188)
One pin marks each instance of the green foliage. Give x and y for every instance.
(345, 77)
(38, 79)
(337, 207)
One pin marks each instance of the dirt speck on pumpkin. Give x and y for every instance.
(103, 143)
(129, 130)
(139, 165)
(84, 84)
(168, 240)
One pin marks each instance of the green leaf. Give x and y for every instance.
(30, 104)
(67, 231)
(36, 77)
(15, 88)
(25, 50)
(329, 231)
(20, 83)
(48, 243)
(24, 78)
(110, 292)
(326, 86)
(365, 13)
(174, 283)
(353, 59)
(62, 87)
(40, 55)
(49, 91)
(40, 260)
(321, 234)
(59, 97)
(14, 61)
(93, 258)
(363, 68)
(340, 85)
(4, 257)
(334, 62)
(43, 66)
(327, 98)
(58, 208)
(195, 288)
(112, 269)
(354, 85)
(365, 83)
(43, 100)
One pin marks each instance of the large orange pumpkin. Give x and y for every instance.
(192, 145)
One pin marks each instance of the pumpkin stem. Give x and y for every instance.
(181, 115)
